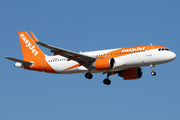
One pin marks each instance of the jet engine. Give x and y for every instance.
(104, 63)
(131, 73)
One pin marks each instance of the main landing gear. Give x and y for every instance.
(88, 75)
(152, 73)
(107, 81)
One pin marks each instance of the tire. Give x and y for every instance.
(153, 73)
(88, 75)
(106, 81)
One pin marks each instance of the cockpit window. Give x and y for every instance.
(163, 49)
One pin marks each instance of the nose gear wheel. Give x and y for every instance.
(152, 73)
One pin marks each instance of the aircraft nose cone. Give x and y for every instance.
(172, 56)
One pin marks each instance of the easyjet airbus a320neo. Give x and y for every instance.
(125, 62)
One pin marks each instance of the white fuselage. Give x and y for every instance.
(138, 59)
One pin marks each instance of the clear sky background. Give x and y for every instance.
(81, 25)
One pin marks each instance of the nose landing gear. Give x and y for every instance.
(152, 73)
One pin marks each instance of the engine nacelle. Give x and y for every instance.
(119, 63)
(104, 63)
(131, 73)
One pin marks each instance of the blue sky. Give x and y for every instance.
(83, 26)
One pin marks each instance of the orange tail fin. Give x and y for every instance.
(29, 48)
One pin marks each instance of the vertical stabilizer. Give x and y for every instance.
(29, 48)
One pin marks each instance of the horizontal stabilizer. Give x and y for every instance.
(20, 61)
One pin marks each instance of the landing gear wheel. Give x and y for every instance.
(153, 73)
(88, 75)
(106, 81)
(152, 67)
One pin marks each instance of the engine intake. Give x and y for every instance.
(104, 63)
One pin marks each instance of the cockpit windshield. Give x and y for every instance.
(163, 49)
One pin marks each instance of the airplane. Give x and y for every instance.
(125, 62)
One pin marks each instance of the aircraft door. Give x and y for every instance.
(43, 63)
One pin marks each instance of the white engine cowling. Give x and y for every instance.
(119, 63)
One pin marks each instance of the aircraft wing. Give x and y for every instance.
(78, 57)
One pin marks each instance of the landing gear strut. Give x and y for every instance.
(107, 81)
(152, 73)
(88, 75)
